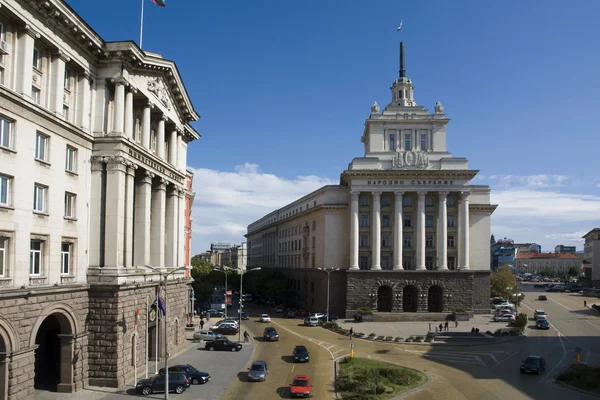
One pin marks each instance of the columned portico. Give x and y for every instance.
(376, 232)
(464, 230)
(398, 240)
(172, 238)
(157, 230)
(119, 108)
(443, 231)
(354, 239)
(147, 125)
(421, 231)
(143, 202)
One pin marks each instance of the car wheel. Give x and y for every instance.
(195, 381)
(179, 389)
(233, 349)
(146, 391)
(211, 348)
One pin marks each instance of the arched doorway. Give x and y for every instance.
(435, 299)
(54, 355)
(410, 299)
(3, 370)
(384, 299)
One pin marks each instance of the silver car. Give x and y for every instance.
(207, 336)
(258, 371)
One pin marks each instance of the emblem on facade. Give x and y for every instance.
(375, 108)
(410, 160)
(152, 315)
(156, 87)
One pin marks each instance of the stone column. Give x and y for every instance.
(128, 128)
(57, 82)
(421, 231)
(398, 239)
(464, 228)
(173, 147)
(65, 384)
(181, 228)
(24, 54)
(354, 230)
(376, 232)
(83, 102)
(443, 232)
(157, 234)
(119, 106)
(114, 234)
(171, 218)
(160, 138)
(129, 210)
(143, 206)
(146, 125)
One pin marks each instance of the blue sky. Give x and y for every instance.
(284, 87)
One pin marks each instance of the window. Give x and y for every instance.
(39, 198)
(3, 255)
(37, 59)
(137, 129)
(429, 201)
(451, 201)
(71, 160)
(66, 111)
(385, 221)
(314, 225)
(407, 219)
(35, 94)
(35, 257)
(364, 262)
(407, 201)
(67, 79)
(451, 263)
(429, 263)
(65, 258)
(386, 201)
(6, 133)
(450, 242)
(70, 201)
(364, 200)
(400, 94)
(314, 242)
(407, 241)
(392, 141)
(429, 241)
(429, 220)
(5, 190)
(153, 140)
(364, 220)
(385, 263)
(423, 141)
(407, 141)
(364, 240)
(407, 262)
(451, 221)
(41, 147)
(385, 241)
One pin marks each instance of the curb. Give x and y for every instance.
(576, 389)
(415, 389)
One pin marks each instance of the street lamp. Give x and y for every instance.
(165, 277)
(242, 272)
(224, 270)
(329, 271)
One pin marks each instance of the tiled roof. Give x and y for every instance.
(546, 255)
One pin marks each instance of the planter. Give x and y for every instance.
(367, 317)
(461, 316)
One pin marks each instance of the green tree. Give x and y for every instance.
(574, 271)
(548, 273)
(503, 283)
(204, 279)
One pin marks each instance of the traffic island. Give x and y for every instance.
(582, 378)
(368, 379)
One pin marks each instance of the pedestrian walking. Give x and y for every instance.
(441, 327)
(201, 323)
(456, 323)
(446, 326)
(351, 333)
(585, 303)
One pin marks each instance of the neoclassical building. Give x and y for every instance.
(406, 226)
(93, 188)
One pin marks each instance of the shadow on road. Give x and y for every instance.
(288, 359)
(283, 392)
(242, 376)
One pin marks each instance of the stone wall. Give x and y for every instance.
(481, 292)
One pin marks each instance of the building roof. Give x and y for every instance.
(592, 231)
(546, 255)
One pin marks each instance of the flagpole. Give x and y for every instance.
(147, 333)
(135, 345)
(142, 24)
(157, 326)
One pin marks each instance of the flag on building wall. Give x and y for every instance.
(161, 305)
(137, 313)
(161, 3)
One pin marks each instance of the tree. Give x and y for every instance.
(574, 271)
(503, 283)
(204, 279)
(548, 273)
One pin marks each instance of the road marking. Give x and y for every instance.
(559, 303)
(293, 367)
(512, 355)
(464, 358)
(346, 355)
(333, 345)
(335, 352)
(305, 337)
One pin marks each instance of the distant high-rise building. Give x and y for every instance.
(561, 248)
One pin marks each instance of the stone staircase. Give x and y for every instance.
(410, 316)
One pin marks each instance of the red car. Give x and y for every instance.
(300, 387)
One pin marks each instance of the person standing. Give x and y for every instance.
(351, 333)
(446, 326)
(201, 323)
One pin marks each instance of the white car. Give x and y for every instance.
(225, 325)
(311, 321)
(207, 336)
(317, 315)
(539, 314)
(504, 318)
(265, 318)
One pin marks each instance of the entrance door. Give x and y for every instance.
(47, 355)
(410, 299)
(435, 299)
(384, 299)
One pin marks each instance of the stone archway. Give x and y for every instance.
(8, 345)
(384, 299)
(435, 299)
(410, 299)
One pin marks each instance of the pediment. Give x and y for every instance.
(158, 93)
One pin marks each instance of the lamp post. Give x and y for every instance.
(224, 270)
(165, 277)
(329, 271)
(242, 272)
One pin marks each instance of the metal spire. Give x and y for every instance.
(402, 70)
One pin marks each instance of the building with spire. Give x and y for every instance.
(405, 226)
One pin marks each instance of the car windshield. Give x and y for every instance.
(300, 382)
(258, 367)
(301, 350)
(192, 369)
(532, 360)
(270, 330)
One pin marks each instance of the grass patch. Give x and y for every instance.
(582, 377)
(366, 379)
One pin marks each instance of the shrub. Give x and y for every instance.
(521, 320)
(365, 310)
(419, 339)
(343, 331)
(398, 338)
(359, 334)
(409, 339)
(430, 335)
(372, 335)
(380, 337)
(489, 333)
(389, 338)
(428, 339)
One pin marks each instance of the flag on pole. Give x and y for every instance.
(161, 305)
(161, 3)
(137, 313)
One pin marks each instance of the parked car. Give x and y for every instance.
(223, 344)
(542, 297)
(502, 305)
(215, 313)
(226, 329)
(332, 317)
(542, 324)
(504, 318)
(178, 382)
(245, 316)
(271, 334)
(508, 311)
(311, 321)
(279, 309)
(227, 321)
(302, 313)
(258, 371)
(301, 354)
(207, 336)
(317, 315)
(300, 387)
(291, 313)
(265, 318)
(194, 376)
(539, 285)
(533, 365)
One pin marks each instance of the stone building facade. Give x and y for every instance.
(406, 226)
(93, 197)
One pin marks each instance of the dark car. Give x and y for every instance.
(542, 297)
(223, 344)
(271, 334)
(258, 371)
(332, 317)
(301, 354)
(226, 330)
(542, 324)
(539, 285)
(533, 365)
(245, 316)
(178, 382)
(290, 313)
(194, 376)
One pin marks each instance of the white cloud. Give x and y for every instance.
(226, 202)
(531, 181)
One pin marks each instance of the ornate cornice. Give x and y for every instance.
(401, 174)
(483, 207)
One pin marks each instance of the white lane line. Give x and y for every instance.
(293, 367)
(333, 345)
(559, 303)
(549, 323)
(335, 352)
(456, 360)
(549, 373)
(511, 356)
(344, 356)
(304, 337)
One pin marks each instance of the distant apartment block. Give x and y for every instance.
(591, 257)
(536, 263)
(561, 248)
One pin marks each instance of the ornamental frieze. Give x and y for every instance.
(410, 160)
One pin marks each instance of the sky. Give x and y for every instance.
(284, 87)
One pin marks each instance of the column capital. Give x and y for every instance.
(119, 81)
(421, 194)
(28, 30)
(355, 193)
(163, 117)
(399, 193)
(376, 195)
(149, 174)
(58, 53)
(443, 194)
(133, 90)
(149, 105)
(131, 167)
(465, 195)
